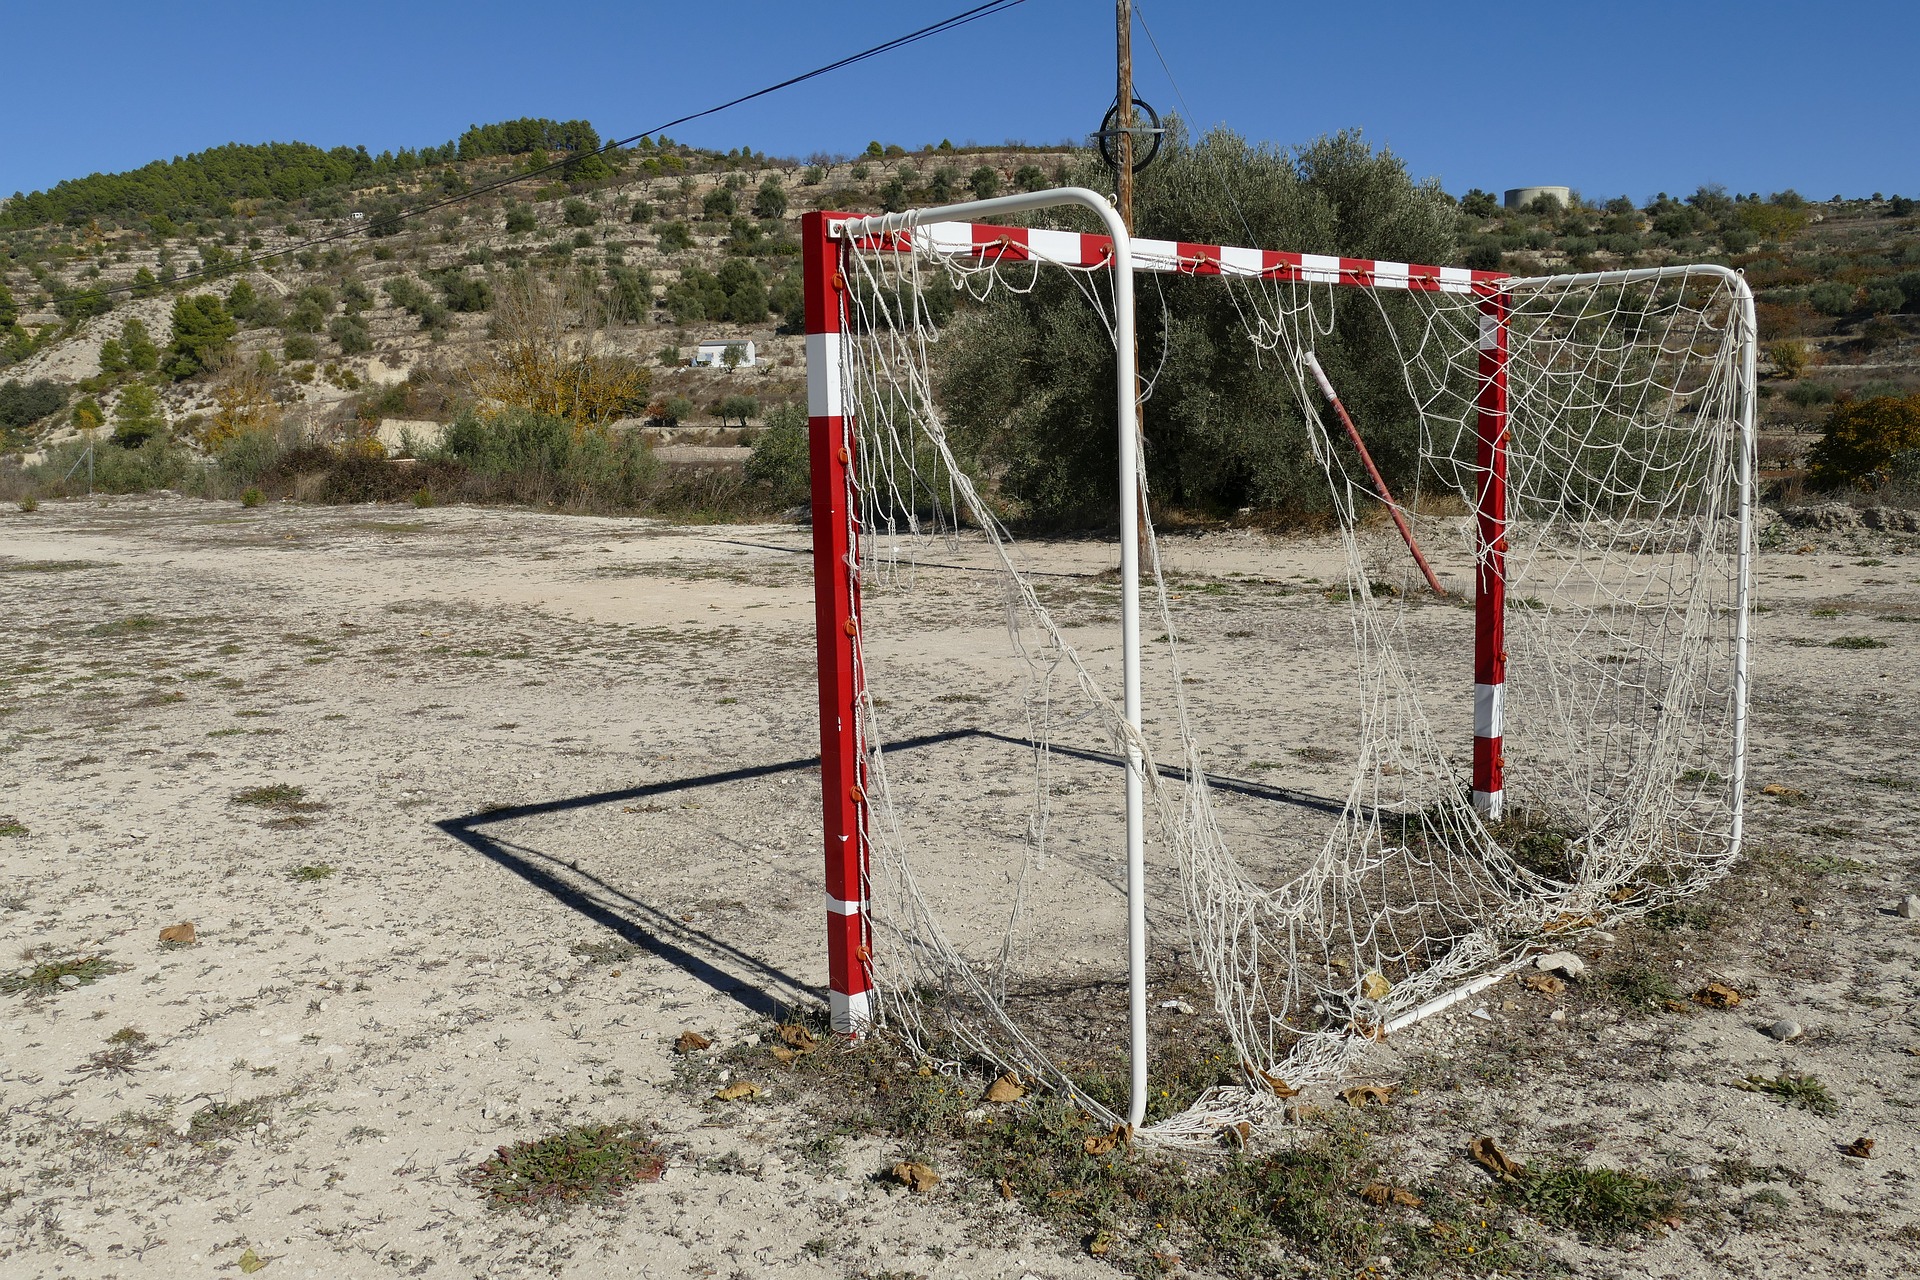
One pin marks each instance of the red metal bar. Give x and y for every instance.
(1490, 576)
(836, 582)
(1379, 482)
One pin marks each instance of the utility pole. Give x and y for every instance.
(1123, 192)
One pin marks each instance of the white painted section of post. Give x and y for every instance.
(1130, 486)
(850, 1011)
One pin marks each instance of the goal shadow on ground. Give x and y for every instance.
(753, 982)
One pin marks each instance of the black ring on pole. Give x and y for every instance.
(1110, 129)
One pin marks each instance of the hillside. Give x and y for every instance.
(372, 333)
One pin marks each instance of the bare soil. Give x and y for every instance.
(475, 812)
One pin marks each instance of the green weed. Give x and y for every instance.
(1641, 987)
(125, 1048)
(583, 1164)
(284, 799)
(1598, 1204)
(12, 826)
(311, 874)
(138, 624)
(1856, 642)
(1803, 1092)
(45, 977)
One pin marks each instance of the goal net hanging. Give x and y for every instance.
(1584, 485)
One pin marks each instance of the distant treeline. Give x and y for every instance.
(210, 181)
(519, 137)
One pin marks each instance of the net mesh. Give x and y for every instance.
(1314, 933)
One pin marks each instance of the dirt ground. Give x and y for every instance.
(557, 806)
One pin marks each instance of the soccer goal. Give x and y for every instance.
(1548, 717)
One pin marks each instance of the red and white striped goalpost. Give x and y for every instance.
(835, 480)
(836, 611)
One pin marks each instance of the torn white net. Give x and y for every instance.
(1624, 567)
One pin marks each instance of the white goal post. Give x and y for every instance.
(1602, 443)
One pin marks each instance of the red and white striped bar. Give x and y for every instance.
(1168, 257)
(1490, 562)
(836, 577)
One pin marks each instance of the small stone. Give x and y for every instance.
(1910, 907)
(1698, 1172)
(69, 981)
(1558, 1015)
(554, 988)
(1786, 1029)
(1564, 963)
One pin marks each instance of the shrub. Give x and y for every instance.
(351, 334)
(1861, 439)
(1808, 394)
(675, 237)
(1882, 298)
(578, 213)
(137, 417)
(201, 331)
(737, 406)
(718, 203)
(770, 202)
(466, 293)
(1479, 204)
(300, 346)
(1831, 298)
(22, 403)
(984, 182)
(779, 460)
(641, 213)
(252, 497)
(520, 219)
(1790, 357)
(538, 458)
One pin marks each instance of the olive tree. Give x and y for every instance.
(1027, 379)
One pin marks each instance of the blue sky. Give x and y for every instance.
(1622, 97)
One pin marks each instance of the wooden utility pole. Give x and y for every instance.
(1123, 193)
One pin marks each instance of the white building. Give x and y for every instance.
(713, 354)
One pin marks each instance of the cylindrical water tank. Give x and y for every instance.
(1521, 197)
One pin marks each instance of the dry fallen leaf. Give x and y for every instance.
(1101, 1143)
(1363, 1094)
(737, 1090)
(782, 1054)
(799, 1038)
(917, 1176)
(1006, 1089)
(1545, 983)
(1375, 986)
(179, 935)
(1717, 995)
(1280, 1088)
(251, 1262)
(1379, 1193)
(1099, 1244)
(1486, 1153)
(1006, 1189)
(1859, 1149)
(691, 1042)
(1786, 793)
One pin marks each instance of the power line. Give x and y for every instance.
(961, 19)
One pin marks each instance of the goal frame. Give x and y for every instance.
(952, 230)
